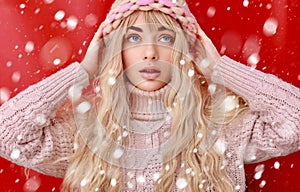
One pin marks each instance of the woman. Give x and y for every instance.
(164, 112)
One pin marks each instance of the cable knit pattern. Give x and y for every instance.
(270, 128)
(32, 134)
(150, 130)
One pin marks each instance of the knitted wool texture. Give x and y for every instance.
(31, 126)
(122, 9)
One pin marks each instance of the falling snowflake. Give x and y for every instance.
(269, 6)
(212, 88)
(220, 146)
(204, 63)
(181, 183)
(91, 20)
(270, 26)
(167, 167)
(15, 154)
(16, 76)
(75, 92)
(8, 64)
(102, 172)
(245, 3)
(125, 133)
(130, 185)
(59, 15)
(276, 165)
(40, 119)
(48, 1)
(118, 153)
(188, 170)
(253, 157)
(259, 169)
(182, 62)
(83, 182)
(141, 179)
(75, 146)
(211, 11)
(200, 135)
(113, 182)
(72, 22)
(258, 175)
(156, 176)
(22, 6)
(29, 47)
(253, 59)
(262, 183)
(130, 175)
(237, 187)
(37, 10)
(111, 81)
(57, 61)
(19, 137)
(229, 103)
(83, 107)
(191, 73)
(201, 186)
(32, 184)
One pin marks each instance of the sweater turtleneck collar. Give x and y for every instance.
(147, 105)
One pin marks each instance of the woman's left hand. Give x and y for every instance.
(93, 55)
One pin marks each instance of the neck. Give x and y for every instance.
(146, 105)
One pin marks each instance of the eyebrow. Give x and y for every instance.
(135, 28)
(162, 28)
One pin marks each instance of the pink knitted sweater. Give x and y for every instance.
(33, 131)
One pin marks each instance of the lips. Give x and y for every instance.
(149, 73)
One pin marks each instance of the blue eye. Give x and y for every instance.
(166, 39)
(133, 38)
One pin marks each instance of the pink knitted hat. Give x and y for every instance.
(123, 8)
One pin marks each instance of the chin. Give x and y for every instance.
(151, 86)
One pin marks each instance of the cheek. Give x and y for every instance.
(165, 55)
(129, 57)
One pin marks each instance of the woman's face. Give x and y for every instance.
(147, 54)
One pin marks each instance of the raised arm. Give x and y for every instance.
(271, 127)
(31, 133)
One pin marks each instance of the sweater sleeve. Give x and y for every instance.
(271, 127)
(32, 133)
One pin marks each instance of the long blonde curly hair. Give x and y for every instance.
(196, 116)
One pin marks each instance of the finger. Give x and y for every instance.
(94, 48)
(97, 35)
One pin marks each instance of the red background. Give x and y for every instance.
(230, 24)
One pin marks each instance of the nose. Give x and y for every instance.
(150, 52)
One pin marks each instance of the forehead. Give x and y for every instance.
(146, 21)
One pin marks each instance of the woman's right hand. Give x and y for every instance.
(93, 55)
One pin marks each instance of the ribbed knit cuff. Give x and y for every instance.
(237, 77)
(56, 86)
